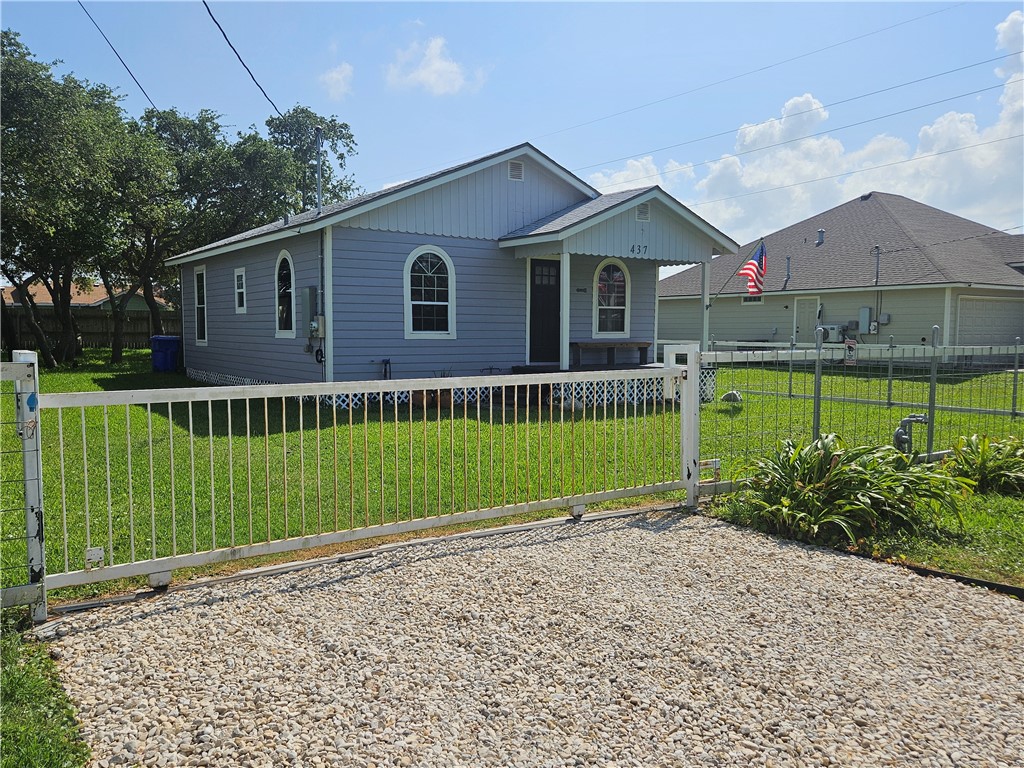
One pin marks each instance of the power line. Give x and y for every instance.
(239, 56)
(117, 54)
(826, 132)
(853, 173)
(795, 114)
(747, 73)
(709, 85)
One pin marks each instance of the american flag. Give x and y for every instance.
(754, 270)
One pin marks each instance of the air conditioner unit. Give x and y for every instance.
(833, 334)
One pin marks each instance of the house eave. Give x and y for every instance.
(387, 199)
(862, 289)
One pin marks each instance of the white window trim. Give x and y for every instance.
(240, 310)
(278, 333)
(594, 314)
(407, 294)
(201, 270)
(750, 301)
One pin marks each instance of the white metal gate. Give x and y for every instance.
(142, 482)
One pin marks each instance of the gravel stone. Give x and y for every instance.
(655, 639)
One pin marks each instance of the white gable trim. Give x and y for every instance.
(719, 239)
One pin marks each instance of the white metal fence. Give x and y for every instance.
(142, 482)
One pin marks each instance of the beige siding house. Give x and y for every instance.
(885, 267)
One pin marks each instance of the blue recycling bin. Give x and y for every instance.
(165, 353)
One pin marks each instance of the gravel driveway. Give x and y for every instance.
(651, 640)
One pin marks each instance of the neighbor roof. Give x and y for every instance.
(330, 214)
(81, 296)
(920, 245)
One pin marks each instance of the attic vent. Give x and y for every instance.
(515, 170)
(643, 212)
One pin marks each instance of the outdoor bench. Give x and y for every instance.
(577, 347)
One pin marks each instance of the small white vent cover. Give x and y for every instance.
(516, 170)
(643, 212)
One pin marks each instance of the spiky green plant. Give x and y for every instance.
(823, 492)
(996, 466)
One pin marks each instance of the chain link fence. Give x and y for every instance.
(919, 398)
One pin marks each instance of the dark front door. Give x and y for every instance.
(544, 323)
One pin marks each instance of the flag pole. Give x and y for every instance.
(730, 277)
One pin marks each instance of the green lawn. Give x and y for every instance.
(37, 724)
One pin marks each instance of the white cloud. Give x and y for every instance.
(1010, 37)
(641, 172)
(982, 183)
(391, 184)
(338, 81)
(430, 67)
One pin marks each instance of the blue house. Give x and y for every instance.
(503, 262)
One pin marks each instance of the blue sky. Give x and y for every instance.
(623, 94)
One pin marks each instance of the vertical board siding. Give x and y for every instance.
(483, 205)
(667, 239)
(244, 345)
(369, 308)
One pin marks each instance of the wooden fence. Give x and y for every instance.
(95, 326)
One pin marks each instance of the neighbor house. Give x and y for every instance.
(876, 268)
(503, 262)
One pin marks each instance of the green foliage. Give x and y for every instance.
(295, 132)
(37, 725)
(823, 492)
(996, 466)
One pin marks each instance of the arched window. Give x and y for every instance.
(285, 276)
(429, 294)
(611, 299)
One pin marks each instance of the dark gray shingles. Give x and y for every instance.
(920, 245)
(574, 214)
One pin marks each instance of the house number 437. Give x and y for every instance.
(638, 249)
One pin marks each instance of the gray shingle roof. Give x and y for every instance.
(575, 214)
(920, 245)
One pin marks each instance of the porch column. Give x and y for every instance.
(705, 300)
(563, 312)
(328, 307)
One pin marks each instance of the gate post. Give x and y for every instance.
(689, 416)
(819, 337)
(27, 417)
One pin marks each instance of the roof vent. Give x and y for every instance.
(516, 170)
(866, 197)
(643, 212)
(821, 238)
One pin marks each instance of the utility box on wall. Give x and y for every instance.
(864, 322)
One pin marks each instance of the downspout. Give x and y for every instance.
(947, 318)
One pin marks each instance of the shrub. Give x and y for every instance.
(823, 492)
(996, 466)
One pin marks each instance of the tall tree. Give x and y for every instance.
(55, 184)
(295, 131)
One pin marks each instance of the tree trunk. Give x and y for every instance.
(156, 321)
(31, 316)
(117, 336)
(10, 335)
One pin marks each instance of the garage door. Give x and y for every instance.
(990, 321)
